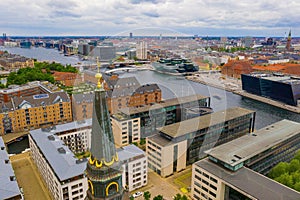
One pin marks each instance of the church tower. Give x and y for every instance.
(289, 40)
(104, 171)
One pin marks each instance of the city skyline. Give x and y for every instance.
(150, 17)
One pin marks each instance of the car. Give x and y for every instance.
(137, 194)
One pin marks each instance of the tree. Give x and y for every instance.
(285, 179)
(147, 195)
(279, 169)
(131, 197)
(179, 197)
(158, 197)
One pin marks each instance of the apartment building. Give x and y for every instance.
(126, 130)
(135, 170)
(180, 144)
(32, 112)
(29, 89)
(61, 171)
(235, 170)
(121, 93)
(166, 112)
(9, 189)
(76, 135)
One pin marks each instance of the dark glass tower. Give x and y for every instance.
(104, 171)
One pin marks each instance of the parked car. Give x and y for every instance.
(137, 194)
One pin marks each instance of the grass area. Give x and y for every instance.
(29, 178)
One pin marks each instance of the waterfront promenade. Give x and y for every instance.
(235, 86)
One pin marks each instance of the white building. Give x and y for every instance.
(125, 130)
(141, 50)
(62, 172)
(9, 188)
(76, 135)
(135, 170)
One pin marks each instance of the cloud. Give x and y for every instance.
(113, 16)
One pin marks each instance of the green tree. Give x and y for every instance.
(294, 165)
(147, 195)
(131, 197)
(279, 169)
(285, 179)
(158, 197)
(177, 197)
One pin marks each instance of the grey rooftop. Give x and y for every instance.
(130, 152)
(61, 159)
(87, 123)
(250, 182)
(205, 121)
(245, 147)
(8, 188)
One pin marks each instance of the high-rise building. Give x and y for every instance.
(141, 50)
(130, 35)
(104, 171)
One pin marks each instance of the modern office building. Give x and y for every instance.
(32, 112)
(135, 169)
(126, 130)
(177, 145)
(105, 53)
(235, 170)
(141, 50)
(275, 86)
(9, 189)
(61, 171)
(166, 112)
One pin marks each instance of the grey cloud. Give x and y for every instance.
(65, 14)
(151, 14)
(147, 1)
(65, 4)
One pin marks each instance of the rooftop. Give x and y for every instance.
(250, 182)
(130, 152)
(201, 122)
(161, 141)
(87, 123)
(8, 188)
(245, 147)
(165, 103)
(61, 159)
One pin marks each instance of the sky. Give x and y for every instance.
(150, 17)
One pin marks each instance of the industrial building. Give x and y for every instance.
(235, 170)
(276, 86)
(183, 143)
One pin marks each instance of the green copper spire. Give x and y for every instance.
(104, 171)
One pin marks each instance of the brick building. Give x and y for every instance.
(67, 78)
(32, 112)
(235, 68)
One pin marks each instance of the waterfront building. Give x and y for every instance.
(12, 62)
(236, 169)
(105, 53)
(9, 189)
(126, 130)
(135, 170)
(177, 145)
(104, 170)
(141, 50)
(28, 89)
(32, 112)
(166, 112)
(121, 93)
(62, 173)
(275, 86)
